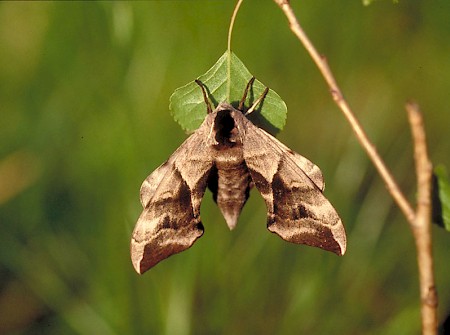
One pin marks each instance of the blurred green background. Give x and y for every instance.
(84, 90)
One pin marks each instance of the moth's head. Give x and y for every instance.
(225, 130)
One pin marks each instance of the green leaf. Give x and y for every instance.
(226, 81)
(441, 197)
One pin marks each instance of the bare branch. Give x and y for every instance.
(422, 223)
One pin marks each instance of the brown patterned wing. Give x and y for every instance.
(308, 167)
(292, 188)
(171, 197)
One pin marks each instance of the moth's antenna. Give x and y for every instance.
(260, 99)
(247, 88)
(205, 96)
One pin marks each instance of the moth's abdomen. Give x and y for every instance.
(230, 185)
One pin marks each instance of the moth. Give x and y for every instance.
(229, 155)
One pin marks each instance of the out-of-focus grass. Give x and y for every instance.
(84, 91)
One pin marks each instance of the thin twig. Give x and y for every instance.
(230, 33)
(422, 227)
(338, 97)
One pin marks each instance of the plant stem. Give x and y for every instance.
(422, 225)
(230, 32)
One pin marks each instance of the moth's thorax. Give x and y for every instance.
(225, 130)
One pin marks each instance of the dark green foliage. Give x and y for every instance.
(441, 197)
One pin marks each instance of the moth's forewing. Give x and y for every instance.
(171, 196)
(296, 208)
